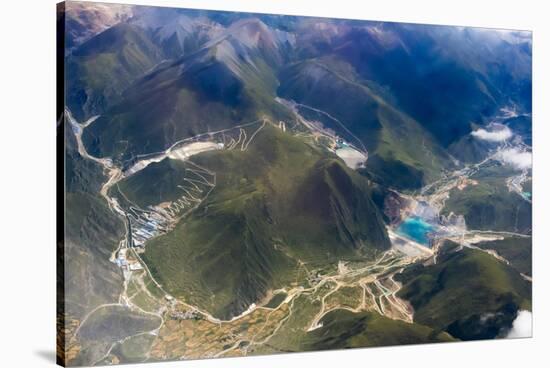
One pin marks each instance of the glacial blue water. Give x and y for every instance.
(416, 229)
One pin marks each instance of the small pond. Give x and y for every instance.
(416, 229)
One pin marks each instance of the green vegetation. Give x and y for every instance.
(144, 301)
(517, 251)
(346, 296)
(159, 182)
(211, 95)
(276, 300)
(470, 149)
(343, 329)
(92, 233)
(378, 125)
(135, 349)
(291, 334)
(463, 292)
(282, 212)
(280, 201)
(102, 68)
(490, 205)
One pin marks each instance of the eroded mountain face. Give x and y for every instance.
(247, 184)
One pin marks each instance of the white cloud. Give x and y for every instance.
(522, 326)
(497, 134)
(513, 156)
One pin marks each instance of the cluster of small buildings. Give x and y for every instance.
(146, 228)
(123, 262)
(191, 314)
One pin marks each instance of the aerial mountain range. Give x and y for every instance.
(435, 82)
(223, 165)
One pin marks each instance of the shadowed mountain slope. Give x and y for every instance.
(469, 293)
(230, 81)
(392, 138)
(103, 67)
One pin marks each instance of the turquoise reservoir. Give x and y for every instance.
(416, 229)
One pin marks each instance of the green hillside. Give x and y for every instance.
(159, 182)
(469, 293)
(343, 330)
(208, 90)
(92, 233)
(490, 205)
(280, 202)
(103, 67)
(218, 181)
(517, 251)
(401, 153)
(469, 149)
